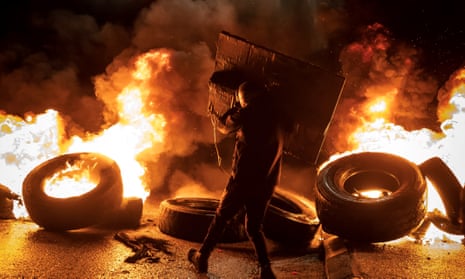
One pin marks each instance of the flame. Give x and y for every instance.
(378, 134)
(28, 141)
(73, 181)
(372, 193)
(137, 129)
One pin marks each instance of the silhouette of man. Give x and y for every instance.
(256, 169)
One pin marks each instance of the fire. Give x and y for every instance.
(378, 134)
(378, 107)
(136, 131)
(372, 194)
(26, 142)
(73, 181)
(133, 128)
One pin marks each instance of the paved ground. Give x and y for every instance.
(29, 252)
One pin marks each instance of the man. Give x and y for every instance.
(256, 169)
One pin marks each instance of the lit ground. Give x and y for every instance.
(29, 252)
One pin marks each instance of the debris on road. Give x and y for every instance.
(144, 247)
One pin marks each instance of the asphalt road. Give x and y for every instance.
(27, 251)
(30, 252)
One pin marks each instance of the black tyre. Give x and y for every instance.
(446, 184)
(290, 219)
(345, 210)
(74, 212)
(189, 219)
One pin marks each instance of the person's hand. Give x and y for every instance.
(229, 112)
(212, 111)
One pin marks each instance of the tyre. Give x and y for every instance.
(290, 219)
(74, 212)
(446, 184)
(127, 216)
(346, 209)
(189, 219)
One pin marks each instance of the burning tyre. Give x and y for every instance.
(370, 197)
(288, 219)
(446, 184)
(73, 212)
(189, 219)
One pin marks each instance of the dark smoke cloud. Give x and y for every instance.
(50, 67)
(180, 24)
(376, 65)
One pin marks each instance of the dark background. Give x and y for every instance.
(435, 27)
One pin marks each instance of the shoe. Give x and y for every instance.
(266, 272)
(200, 263)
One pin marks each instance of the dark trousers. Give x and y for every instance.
(254, 199)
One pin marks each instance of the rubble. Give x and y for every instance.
(144, 247)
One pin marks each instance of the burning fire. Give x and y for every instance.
(26, 142)
(73, 181)
(377, 134)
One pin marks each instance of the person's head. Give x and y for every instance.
(248, 91)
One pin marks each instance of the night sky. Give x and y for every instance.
(436, 27)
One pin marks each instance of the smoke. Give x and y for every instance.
(70, 58)
(50, 67)
(182, 24)
(51, 51)
(378, 65)
(188, 31)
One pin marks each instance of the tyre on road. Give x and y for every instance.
(287, 220)
(346, 206)
(75, 212)
(189, 218)
(290, 219)
(446, 184)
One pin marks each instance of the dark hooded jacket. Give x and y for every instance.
(259, 143)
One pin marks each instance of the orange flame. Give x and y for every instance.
(378, 134)
(73, 181)
(136, 131)
(26, 142)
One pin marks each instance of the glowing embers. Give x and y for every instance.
(76, 179)
(371, 184)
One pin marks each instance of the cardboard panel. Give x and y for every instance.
(305, 92)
